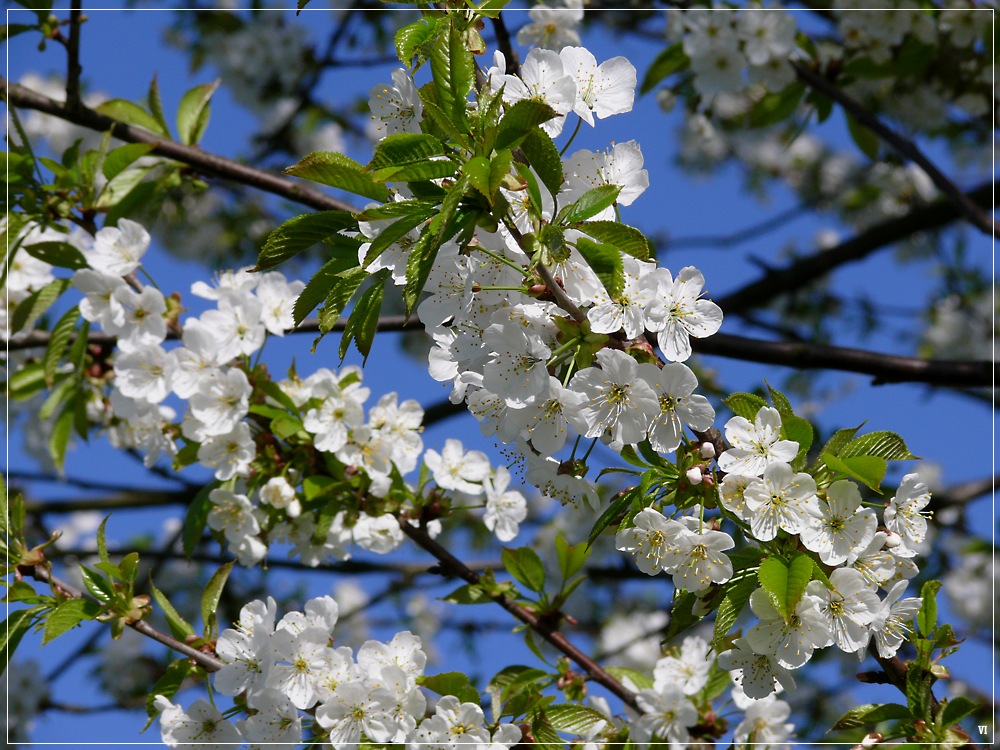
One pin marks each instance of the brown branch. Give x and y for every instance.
(903, 146)
(208, 662)
(965, 493)
(201, 161)
(451, 565)
(886, 368)
(785, 280)
(73, 68)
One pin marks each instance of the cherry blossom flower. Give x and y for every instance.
(456, 469)
(397, 108)
(651, 540)
(676, 313)
(666, 715)
(454, 724)
(759, 673)
(276, 720)
(505, 509)
(200, 725)
(301, 658)
(601, 90)
(354, 710)
(791, 640)
(617, 400)
(696, 560)
(222, 402)
(765, 723)
(674, 386)
(379, 534)
(838, 526)
(542, 78)
(689, 670)
(781, 499)
(621, 166)
(228, 454)
(757, 445)
(551, 28)
(118, 251)
(891, 623)
(906, 516)
(144, 373)
(850, 606)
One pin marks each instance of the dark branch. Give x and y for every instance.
(73, 68)
(740, 236)
(903, 146)
(793, 277)
(202, 161)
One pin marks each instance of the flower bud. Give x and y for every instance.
(707, 451)
(872, 739)
(694, 475)
(892, 540)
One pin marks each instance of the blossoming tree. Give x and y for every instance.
(776, 545)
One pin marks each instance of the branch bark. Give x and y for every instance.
(203, 162)
(903, 146)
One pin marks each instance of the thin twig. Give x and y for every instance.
(903, 146)
(206, 163)
(451, 565)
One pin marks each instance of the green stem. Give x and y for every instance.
(579, 122)
(587, 454)
(501, 259)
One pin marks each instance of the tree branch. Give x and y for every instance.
(886, 368)
(903, 146)
(201, 161)
(452, 566)
(740, 236)
(73, 68)
(783, 281)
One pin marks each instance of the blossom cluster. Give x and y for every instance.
(762, 496)
(286, 668)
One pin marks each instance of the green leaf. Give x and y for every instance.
(590, 203)
(398, 209)
(197, 517)
(60, 254)
(477, 169)
(343, 290)
(776, 106)
(956, 709)
(779, 401)
(168, 684)
(541, 152)
(62, 428)
(918, 690)
(102, 542)
(617, 507)
(682, 616)
(179, 627)
(869, 714)
(62, 331)
(453, 71)
(12, 631)
(669, 61)
(520, 119)
(606, 262)
(468, 594)
(773, 577)
(627, 239)
(338, 171)
(300, 233)
(525, 566)
(573, 718)
(927, 616)
(37, 304)
(210, 598)
(745, 405)
(418, 267)
(400, 149)
(26, 382)
(119, 159)
(363, 323)
(864, 138)
(319, 286)
(500, 168)
(797, 429)
(800, 572)
(571, 558)
(131, 113)
(868, 470)
(68, 615)
(451, 683)
(116, 190)
(738, 591)
(155, 104)
(97, 585)
(416, 172)
(410, 38)
(640, 680)
(194, 111)
(883, 444)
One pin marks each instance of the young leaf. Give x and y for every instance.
(617, 507)
(467, 594)
(118, 160)
(400, 149)
(62, 428)
(866, 469)
(418, 267)
(12, 631)
(606, 262)
(197, 517)
(525, 566)
(745, 405)
(956, 709)
(669, 61)
(571, 557)
(883, 444)
(864, 138)
(773, 577)
(179, 627)
(62, 331)
(131, 113)
(338, 171)
(738, 591)
(319, 286)
(574, 719)
(869, 714)
(60, 254)
(155, 104)
(210, 598)
(627, 239)
(168, 685)
(363, 323)
(477, 169)
(36, 304)
(800, 572)
(453, 71)
(451, 683)
(541, 152)
(410, 38)
(521, 119)
(927, 616)
(68, 615)
(301, 233)
(589, 204)
(194, 111)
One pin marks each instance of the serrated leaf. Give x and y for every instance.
(525, 566)
(210, 598)
(68, 615)
(418, 267)
(520, 119)
(62, 428)
(37, 304)
(193, 112)
(956, 709)
(119, 159)
(102, 542)
(451, 683)
(868, 470)
(571, 558)
(18, 622)
(62, 331)
(869, 714)
(338, 171)
(541, 152)
(168, 684)
(637, 678)
(131, 113)
(120, 187)
(627, 239)
(155, 104)
(453, 71)
(55, 253)
(343, 289)
(589, 204)
(477, 169)
(773, 577)
(927, 616)
(669, 61)
(800, 572)
(574, 719)
(319, 286)
(745, 405)
(779, 401)
(435, 169)
(400, 149)
(882, 443)
(179, 627)
(300, 233)
(606, 262)
(409, 38)
(197, 517)
(734, 601)
(500, 168)
(617, 507)
(363, 322)
(682, 617)
(467, 594)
